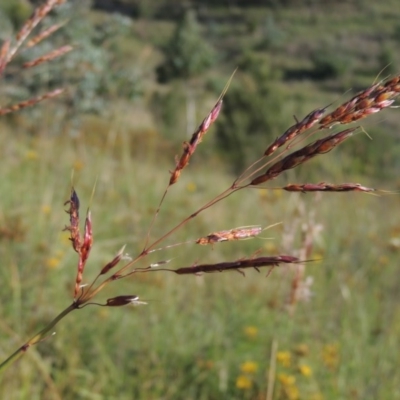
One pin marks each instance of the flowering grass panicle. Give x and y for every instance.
(291, 150)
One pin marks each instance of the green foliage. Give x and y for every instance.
(187, 54)
(387, 60)
(396, 32)
(191, 341)
(329, 63)
(95, 72)
(18, 11)
(252, 112)
(272, 35)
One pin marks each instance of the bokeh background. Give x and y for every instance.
(143, 75)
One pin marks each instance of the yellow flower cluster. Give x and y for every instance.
(244, 381)
(305, 370)
(330, 355)
(251, 332)
(284, 358)
(289, 388)
(293, 368)
(249, 367)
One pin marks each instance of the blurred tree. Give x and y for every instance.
(187, 57)
(18, 11)
(187, 54)
(95, 72)
(252, 114)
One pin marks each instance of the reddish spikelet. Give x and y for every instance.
(84, 252)
(367, 102)
(392, 82)
(230, 235)
(119, 301)
(113, 262)
(327, 187)
(237, 265)
(306, 123)
(43, 35)
(30, 102)
(298, 157)
(73, 228)
(190, 147)
(396, 88)
(49, 56)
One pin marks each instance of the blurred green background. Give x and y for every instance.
(142, 76)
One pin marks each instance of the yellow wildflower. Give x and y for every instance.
(31, 155)
(286, 380)
(305, 370)
(52, 262)
(263, 193)
(284, 358)
(292, 392)
(78, 165)
(251, 332)
(191, 187)
(301, 349)
(46, 209)
(330, 355)
(270, 246)
(249, 367)
(243, 382)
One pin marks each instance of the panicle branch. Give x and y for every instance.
(31, 102)
(82, 245)
(298, 157)
(327, 187)
(29, 25)
(230, 235)
(295, 130)
(49, 56)
(367, 102)
(237, 265)
(190, 147)
(43, 35)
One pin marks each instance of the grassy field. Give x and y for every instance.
(222, 335)
(209, 337)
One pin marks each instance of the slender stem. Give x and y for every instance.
(37, 338)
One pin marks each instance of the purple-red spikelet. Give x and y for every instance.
(304, 154)
(113, 262)
(190, 147)
(327, 187)
(238, 265)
